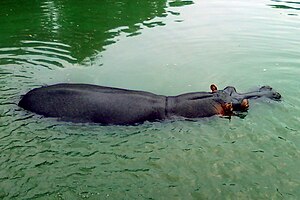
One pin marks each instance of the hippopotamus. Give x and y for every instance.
(116, 106)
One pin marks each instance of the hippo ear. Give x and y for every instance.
(245, 104)
(213, 88)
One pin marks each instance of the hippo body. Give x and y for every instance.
(107, 105)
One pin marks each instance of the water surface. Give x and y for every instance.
(165, 47)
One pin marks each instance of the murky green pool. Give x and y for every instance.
(165, 47)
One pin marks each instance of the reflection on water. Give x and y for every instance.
(87, 28)
(52, 14)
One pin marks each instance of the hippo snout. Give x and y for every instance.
(268, 91)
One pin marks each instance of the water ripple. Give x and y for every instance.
(47, 54)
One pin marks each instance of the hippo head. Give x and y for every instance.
(240, 100)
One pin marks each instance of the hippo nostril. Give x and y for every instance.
(276, 95)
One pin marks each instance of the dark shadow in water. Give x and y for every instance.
(87, 26)
(287, 5)
(290, 2)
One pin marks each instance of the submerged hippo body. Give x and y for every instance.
(106, 105)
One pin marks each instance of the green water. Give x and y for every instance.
(165, 47)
